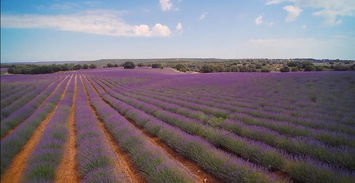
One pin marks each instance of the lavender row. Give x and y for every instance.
(16, 96)
(334, 139)
(46, 157)
(270, 87)
(211, 96)
(298, 146)
(94, 156)
(251, 104)
(228, 109)
(216, 162)
(154, 165)
(11, 90)
(25, 111)
(26, 98)
(256, 152)
(12, 84)
(267, 110)
(330, 137)
(14, 142)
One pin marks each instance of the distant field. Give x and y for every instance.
(160, 125)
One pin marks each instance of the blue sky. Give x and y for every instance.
(45, 30)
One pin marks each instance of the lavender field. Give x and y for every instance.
(159, 125)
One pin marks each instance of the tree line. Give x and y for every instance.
(45, 69)
(260, 65)
(197, 66)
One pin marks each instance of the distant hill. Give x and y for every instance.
(104, 62)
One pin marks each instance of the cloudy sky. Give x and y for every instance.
(44, 30)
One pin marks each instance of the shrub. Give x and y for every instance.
(340, 67)
(140, 65)
(85, 66)
(265, 69)
(181, 68)
(77, 67)
(309, 68)
(92, 66)
(319, 68)
(292, 64)
(206, 69)
(157, 66)
(305, 64)
(128, 65)
(285, 69)
(294, 69)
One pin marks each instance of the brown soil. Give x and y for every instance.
(14, 172)
(282, 176)
(66, 172)
(45, 101)
(189, 166)
(122, 161)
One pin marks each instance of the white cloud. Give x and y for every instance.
(102, 22)
(292, 13)
(274, 2)
(165, 5)
(330, 16)
(203, 16)
(259, 20)
(330, 10)
(179, 27)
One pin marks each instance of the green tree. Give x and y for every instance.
(77, 67)
(157, 66)
(92, 66)
(181, 68)
(206, 69)
(285, 69)
(128, 65)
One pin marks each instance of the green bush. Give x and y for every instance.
(265, 69)
(181, 68)
(294, 69)
(85, 66)
(340, 67)
(309, 68)
(92, 66)
(319, 68)
(285, 69)
(128, 65)
(157, 66)
(352, 67)
(206, 69)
